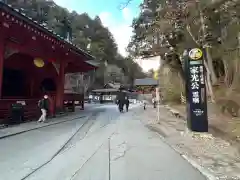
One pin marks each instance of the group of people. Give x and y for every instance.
(123, 102)
(122, 99)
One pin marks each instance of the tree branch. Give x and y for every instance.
(124, 4)
(191, 34)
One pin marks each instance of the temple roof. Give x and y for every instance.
(145, 82)
(17, 13)
(93, 63)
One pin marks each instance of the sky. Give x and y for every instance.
(118, 21)
(112, 16)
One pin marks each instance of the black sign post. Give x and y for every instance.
(196, 91)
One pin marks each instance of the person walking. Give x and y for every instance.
(127, 103)
(154, 102)
(43, 104)
(121, 99)
(144, 104)
(120, 105)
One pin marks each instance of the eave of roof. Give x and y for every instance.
(93, 63)
(145, 82)
(22, 16)
(105, 90)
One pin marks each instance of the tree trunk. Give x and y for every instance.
(212, 73)
(179, 68)
(235, 74)
(209, 82)
(209, 88)
(228, 74)
(210, 66)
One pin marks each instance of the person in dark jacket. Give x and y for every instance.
(121, 99)
(127, 103)
(44, 106)
(154, 102)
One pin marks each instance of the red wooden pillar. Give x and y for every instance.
(82, 101)
(60, 87)
(2, 50)
(51, 105)
(31, 87)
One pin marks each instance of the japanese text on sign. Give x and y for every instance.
(198, 112)
(195, 97)
(201, 75)
(194, 73)
(194, 76)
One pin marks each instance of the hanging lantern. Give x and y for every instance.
(38, 62)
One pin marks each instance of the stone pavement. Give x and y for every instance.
(213, 156)
(28, 126)
(117, 146)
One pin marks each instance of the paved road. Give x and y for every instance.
(107, 146)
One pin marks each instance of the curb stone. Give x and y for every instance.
(201, 169)
(214, 131)
(155, 129)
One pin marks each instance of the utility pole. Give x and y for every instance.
(159, 82)
(158, 89)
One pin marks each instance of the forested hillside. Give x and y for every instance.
(168, 28)
(88, 34)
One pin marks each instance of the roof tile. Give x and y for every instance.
(145, 82)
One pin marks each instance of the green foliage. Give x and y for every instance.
(172, 86)
(178, 25)
(84, 31)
